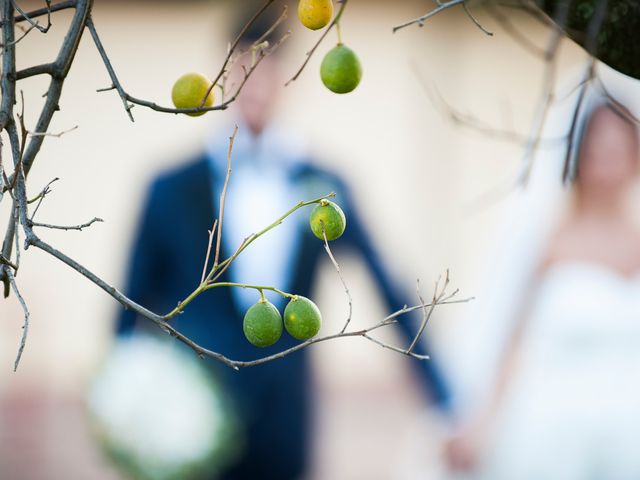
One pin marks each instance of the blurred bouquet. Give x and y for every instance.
(159, 414)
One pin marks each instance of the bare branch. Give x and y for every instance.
(437, 297)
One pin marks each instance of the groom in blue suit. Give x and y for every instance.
(270, 174)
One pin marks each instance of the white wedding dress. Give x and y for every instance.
(572, 408)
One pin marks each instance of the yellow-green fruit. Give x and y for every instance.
(315, 14)
(189, 90)
(262, 324)
(302, 318)
(340, 70)
(329, 215)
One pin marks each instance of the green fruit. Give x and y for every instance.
(315, 14)
(262, 324)
(329, 215)
(341, 70)
(189, 90)
(302, 318)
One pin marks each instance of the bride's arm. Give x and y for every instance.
(462, 451)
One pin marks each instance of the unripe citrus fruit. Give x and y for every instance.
(329, 215)
(302, 318)
(315, 14)
(262, 324)
(189, 90)
(341, 70)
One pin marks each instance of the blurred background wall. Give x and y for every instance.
(416, 176)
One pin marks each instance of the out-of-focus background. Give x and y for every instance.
(416, 177)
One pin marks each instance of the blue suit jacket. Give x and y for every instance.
(274, 400)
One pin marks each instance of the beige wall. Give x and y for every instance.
(415, 176)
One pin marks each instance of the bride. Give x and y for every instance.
(565, 401)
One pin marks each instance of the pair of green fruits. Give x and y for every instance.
(262, 324)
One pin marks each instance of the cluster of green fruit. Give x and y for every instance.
(262, 323)
(340, 70)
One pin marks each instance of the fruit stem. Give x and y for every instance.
(339, 32)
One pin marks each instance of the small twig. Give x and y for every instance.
(396, 349)
(570, 160)
(49, 134)
(67, 227)
(344, 283)
(223, 197)
(475, 20)
(25, 326)
(24, 34)
(546, 100)
(206, 259)
(420, 20)
(48, 10)
(233, 47)
(437, 297)
(107, 63)
(33, 23)
(511, 30)
(460, 118)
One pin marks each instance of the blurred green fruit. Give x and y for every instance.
(262, 324)
(302, 318)
(341, 70)
(329, 215)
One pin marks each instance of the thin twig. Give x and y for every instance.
(49, 134)
(223, 197)
(342, 280)
(67, 227)
(206, 259)
(234, 46)
(56, 7)
(475, 20)
(25, 326)
(437, 297)
(33, 23)
(420, 20)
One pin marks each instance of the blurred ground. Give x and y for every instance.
(415, 176)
